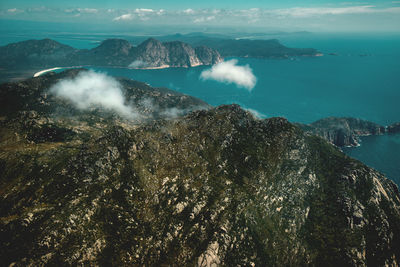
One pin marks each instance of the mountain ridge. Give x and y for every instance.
(214, 186)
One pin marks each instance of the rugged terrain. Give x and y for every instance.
(39, 54)
(212, 186)
(22, 59)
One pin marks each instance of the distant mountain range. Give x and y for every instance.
(228, 46)
(111, 52)
(33, 55)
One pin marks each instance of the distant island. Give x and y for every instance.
(346, 131)
(24, 58)
(111, 52)
(229, 46)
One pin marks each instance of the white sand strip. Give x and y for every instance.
(37, 74)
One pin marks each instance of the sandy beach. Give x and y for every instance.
(37, 74)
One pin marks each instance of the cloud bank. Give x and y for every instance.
(90, 89)
(229, 72)
(345, 16)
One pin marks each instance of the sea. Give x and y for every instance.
(357, 76)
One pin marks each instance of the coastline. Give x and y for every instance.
(39, 73)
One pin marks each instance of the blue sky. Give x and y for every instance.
(290, 15)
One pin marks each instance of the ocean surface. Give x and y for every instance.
(379, 152)
(361, 78)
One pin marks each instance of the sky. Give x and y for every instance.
(287, 15)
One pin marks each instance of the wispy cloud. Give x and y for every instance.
(229, 72)
(189, 11)
(14, 11)
(142, 14)
(307, 12)
(203, 19)
(256, 113)
(124, 17)
(82, 10)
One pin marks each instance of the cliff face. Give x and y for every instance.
(342, 131)
(153, 54)
(207, 55)
(213, 186)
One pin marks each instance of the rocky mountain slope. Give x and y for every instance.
(35, 54)
(213, 186)
(154, 54)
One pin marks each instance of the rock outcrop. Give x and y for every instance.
(343, 131)
(214, 186)
(154, 54)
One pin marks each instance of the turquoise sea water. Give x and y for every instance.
(361, 80)
(380, 152)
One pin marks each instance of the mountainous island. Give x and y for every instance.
(229, 46)
(111, 52)
(163, 178)
(23, 59)
(151, 54)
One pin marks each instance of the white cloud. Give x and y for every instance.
(318, 11)
(189, 11)
(82, 10)
(14, 10)
(256, 113)
(203, 19)
(90, 89)
(230, 72)
(88, 10)
(142, 14)
(124, 17)
(144, 10)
